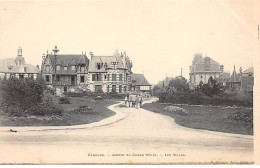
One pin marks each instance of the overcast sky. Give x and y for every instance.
(160, 37)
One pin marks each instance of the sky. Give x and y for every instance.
(160, 36)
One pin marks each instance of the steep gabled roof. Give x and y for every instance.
(9, 65)
(234, 77)
(6, 63)
(139, 80)
(105, 60)
(68, 59)
(202, 64)
(249, 70)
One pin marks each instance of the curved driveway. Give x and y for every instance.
(141, 137)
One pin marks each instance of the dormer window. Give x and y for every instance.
(98, 66)
(65, 68)
(82, 68)
(73, 67)
(47, 67)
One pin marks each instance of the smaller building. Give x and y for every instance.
(242, 81)
(202, 69)
(71, 72)
(17, 68)
(140, 84)
(110, 73)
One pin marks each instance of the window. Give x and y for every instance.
(98, 88)
(25, 69)
(107, 77)
(30, 76)
(65, 68)
(113, 88)
(21, 76)
(12, 75)
(58, 67)
(107, 88)
(120, 88)
(47, 67)
(82, 79)
(113, 77)
(47, 78)
(82, 69)
(58, 78)
(98, 77)
(93, 77)
(124, 88)
(98, 66)
(73, 80)
(73, 67)
(120, 77)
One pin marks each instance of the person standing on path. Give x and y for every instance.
(137, 101)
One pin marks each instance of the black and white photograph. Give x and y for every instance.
(129, 82)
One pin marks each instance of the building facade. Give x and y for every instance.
(140, 84)
(71, 72)
(97, 74)
(242, 81)
(110, 73)
(203, 68)
(17, 68)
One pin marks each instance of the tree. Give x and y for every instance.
(211, 88)
(22, 93)
(179, 84)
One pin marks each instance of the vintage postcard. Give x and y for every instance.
(129, 82)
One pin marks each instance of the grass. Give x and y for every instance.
(220, 119)
(69, 117)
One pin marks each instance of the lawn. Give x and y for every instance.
(69, 117)
(228, 120)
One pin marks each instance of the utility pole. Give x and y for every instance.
(55, 50)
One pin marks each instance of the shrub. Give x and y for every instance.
(98, 98)
(48, 106)
(23, 93)
(241, 115)
(23, 97)
(84, 109)
(177, 110)
(13, 111)
(64, 100)
(43, 110)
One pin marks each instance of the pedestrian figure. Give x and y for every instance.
(136, 101)
(141, 101)
(126, 101)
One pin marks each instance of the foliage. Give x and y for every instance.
(22, 93)
(22, 97)
(241, 115)
(110, 95)
(64, 100)
(179, 84)
(211, 88)
(177, 110)
(212, 93)
(84, 109)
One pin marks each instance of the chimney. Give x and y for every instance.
(240, 70)
(91, 55)
(222, 68)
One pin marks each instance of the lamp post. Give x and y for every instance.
(55, 50)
